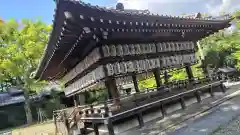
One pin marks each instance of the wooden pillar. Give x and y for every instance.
(110, 127)
(182, 103)
(95, 128)
(211, 91)
(163, 110)
(223, 88)
(108, 87)
(65, 120)
(140, 120)
(158, 80)
(55, 122)
(189, 72)
(75, 100)
(110, 83)
(81, 99)
(165, 77)
(83, 131)
(198, 96)
(109, 94)
(106, 113)
(135, 82)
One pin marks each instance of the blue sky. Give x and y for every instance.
(43, 9)
(32, 9)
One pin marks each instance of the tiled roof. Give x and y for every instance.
(8, 99)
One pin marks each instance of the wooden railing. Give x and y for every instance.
(110, 111)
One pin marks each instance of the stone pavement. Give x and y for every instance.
(231, 128)
(208, 123)
(204, 124)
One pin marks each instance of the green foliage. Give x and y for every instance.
(178, 75)
(223, 48)
(21, 47)
(175, 75)
(197, 71)
(147, 83)
(96, 96)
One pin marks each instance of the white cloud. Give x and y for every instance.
(140, 2)
(173, 7)
(216, 6)
(176, 7)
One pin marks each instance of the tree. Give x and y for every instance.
(21, 47)
(223, 48)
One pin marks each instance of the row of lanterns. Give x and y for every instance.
(131, 49)
(137, 49)
(128, 49)
(92, 58)
(86, 80)
(147, 64)
(175, 46)
(175, 60)
(132, 66)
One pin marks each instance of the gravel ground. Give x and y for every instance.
(233, 128)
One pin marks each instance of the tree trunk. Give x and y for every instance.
(27, 108)
(25, 89)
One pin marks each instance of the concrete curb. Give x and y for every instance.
(203, 112)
